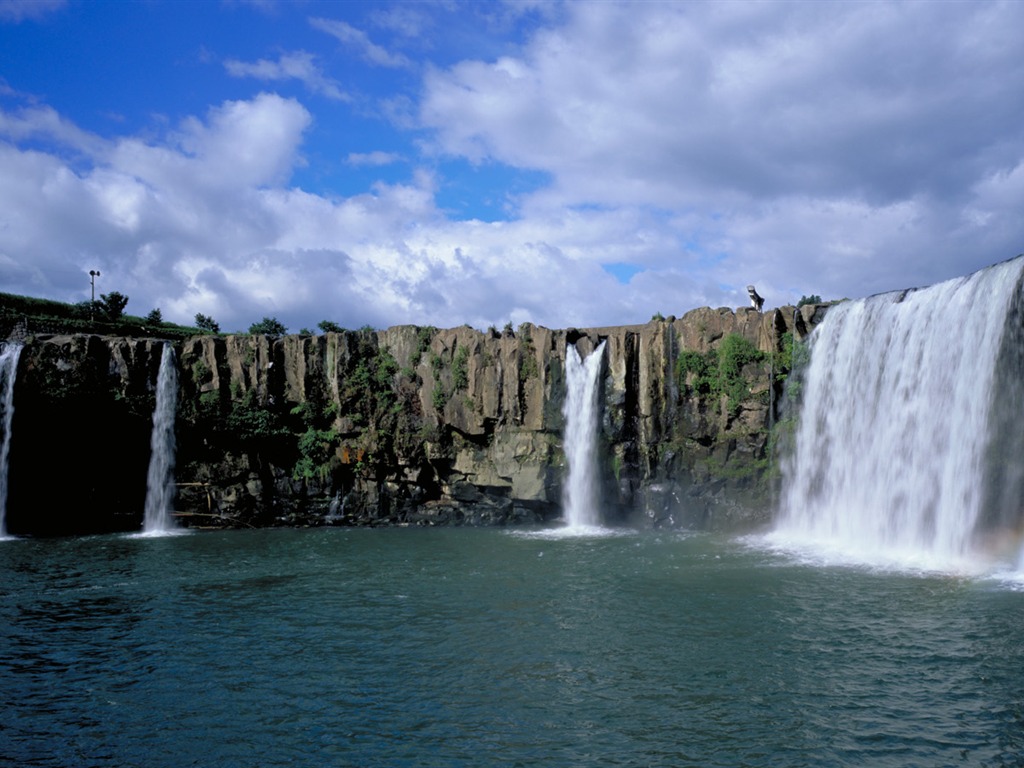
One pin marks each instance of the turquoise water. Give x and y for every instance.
(481, 647)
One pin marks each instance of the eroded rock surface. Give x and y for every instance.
(406, 425)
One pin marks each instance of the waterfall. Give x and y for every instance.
(160, 480)
(908, 443)
(582, 419)
(9, 354)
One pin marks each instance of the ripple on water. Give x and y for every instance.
(465, 647)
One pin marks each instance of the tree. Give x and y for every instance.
(113, 304)
(326, 326)
(269, 326)
(207, 323)
(812, 299)
(155, 317)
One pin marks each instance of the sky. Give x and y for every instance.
(447, 162)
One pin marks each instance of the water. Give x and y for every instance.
(896, 456)
(160, 487)
(582, 420)
(9, 354)
(467, 647)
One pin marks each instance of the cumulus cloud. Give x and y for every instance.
(141, 211)
(45, 123)
(674, 101)
(838, 149)
(204, 221)
(757, 116)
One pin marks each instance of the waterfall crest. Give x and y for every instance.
(900, 455)
(582, 420)
(160, 480)
(9, 355)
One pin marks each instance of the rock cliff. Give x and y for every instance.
(407, 425)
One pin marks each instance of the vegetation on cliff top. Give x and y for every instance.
(105, 317)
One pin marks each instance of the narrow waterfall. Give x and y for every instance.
(9, 354)
(160, 480)
(582, 420)
(908, 448)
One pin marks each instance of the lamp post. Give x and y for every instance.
(93, 274)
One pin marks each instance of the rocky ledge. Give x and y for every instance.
(408, 425)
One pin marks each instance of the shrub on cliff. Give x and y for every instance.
(206, 323)
(248, 421)
(316, 448)
(719, 372)
(734, 353)
(460, 372)
(113, 304)
(269, 326)
(424, 336)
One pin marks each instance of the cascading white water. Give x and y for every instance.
(891, 449)
(582, 420)
(9, 354)
(160, 480)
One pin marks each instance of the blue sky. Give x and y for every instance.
(569, 164)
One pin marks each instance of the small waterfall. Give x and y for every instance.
(901, 455)
(9, 354)
(582, 419)
(160, 480)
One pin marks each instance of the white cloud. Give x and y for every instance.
(298, 65)
(838, 149)
(241, 144)
(830, 120)
(354, 38)
(203, 222)
(20, 10)
(46, 123)
(674, 101)
(376, 158)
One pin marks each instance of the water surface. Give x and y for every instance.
(450, 647)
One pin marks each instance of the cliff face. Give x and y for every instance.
(405, 425)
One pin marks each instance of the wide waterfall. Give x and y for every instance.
(9, 354)
(160, 480)
(582, 420)
(908, 447)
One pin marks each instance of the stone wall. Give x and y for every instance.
(402, 426)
